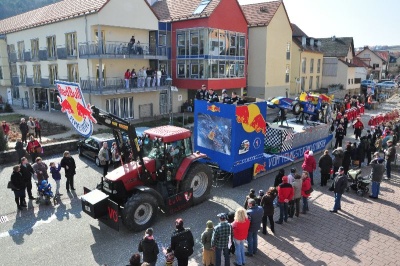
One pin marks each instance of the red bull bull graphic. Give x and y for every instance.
(259, 168)
(73, 104)
(251, 118)
(213, 108)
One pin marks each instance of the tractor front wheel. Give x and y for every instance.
(140, 212)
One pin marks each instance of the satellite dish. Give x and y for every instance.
(298, 80)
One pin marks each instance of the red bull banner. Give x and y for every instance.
(73, 104)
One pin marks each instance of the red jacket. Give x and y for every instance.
(305, 186)
(285, 191)
(6, 129)
(127, 75)
(309, 163)
(240, 230)
(32, 145)
(358, 125)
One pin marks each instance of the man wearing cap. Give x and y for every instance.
(182, 243)
(285, 194)
(339, 186)
(220, 239)
(212, 96)
(255, 214)
(202, 94)
(225, 98)
(390, 155)
(377, 171)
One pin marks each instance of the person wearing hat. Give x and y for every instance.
(208, 252)
(339, 186)
(220, 239)
(358, 127)
(149, 247)
(285, 194)
(182, 243)
(252, 195)
(259, 197)
(224, 97)
(377, 171)
(390, 156)
(255, 214)
(291, 175)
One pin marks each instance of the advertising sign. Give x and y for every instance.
(179, 202)
(73, 104)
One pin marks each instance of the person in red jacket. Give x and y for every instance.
(285, 194)
(358, 127)
(127, 77)
(309, 164)
(6, 130)
(240, 228)
(33, 148)
(304, 187)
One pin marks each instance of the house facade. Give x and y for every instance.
(338, 69)
(377, 60)
(306, 63)
(86, 42)
(5, 74)
(270, 49)
(208, 43)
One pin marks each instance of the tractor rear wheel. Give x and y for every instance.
(140, 212)
(199, 177)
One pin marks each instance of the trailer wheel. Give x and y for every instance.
(296, 109)
(140, 211)
(199, 177)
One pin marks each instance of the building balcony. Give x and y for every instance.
(27, 56)
(62, 53)
(29, 81)
(117, 85)
(13, 57)
(123, 50)
(44, 82)
(15, 81)
(43, 54)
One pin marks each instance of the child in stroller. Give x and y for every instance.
(44, 192)
(357, 182)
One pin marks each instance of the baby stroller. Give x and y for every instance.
(357, 182)
(45, 194)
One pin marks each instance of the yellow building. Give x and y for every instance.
(306, 63)
(270, 47)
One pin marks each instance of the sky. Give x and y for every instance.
(369, 22)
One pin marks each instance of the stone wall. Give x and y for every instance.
(10, 156)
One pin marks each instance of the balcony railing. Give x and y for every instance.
(121, 50)
(45, 82)
(15, 81)
(21, 56)
(61, 52)
(13, 57)
(43, 54)
(27, 56)
(93, 85)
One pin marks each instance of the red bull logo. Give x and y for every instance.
(251, 118)
(259, 168)
(73, 104)
(213, 108)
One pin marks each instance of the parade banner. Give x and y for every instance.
(73, 104)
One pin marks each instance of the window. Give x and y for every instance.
(203, 4)
(53, 73)
(348, 81)
(317, 82)
(303, 81)
(310, 83)
(375, 66)
(21, 50)
(181, 69)
(71, 44)
(51, 47)
(35, 49)
(11, 48)
(122, 107)
(15, 92)
(73, 73)
(22, 73)
(223, 41)
(181, 43)
(352, 81)
(303, 65)
(319, 66)
(242, 46)
(37, 74)
(194, 42)
(367, 55)
(232, 44)
(221, 69)
(312, 65)
(288, 51)
(287, 74)
(14, 72)
(162, 39)
(1, 73)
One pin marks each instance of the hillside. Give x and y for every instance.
(9, 8)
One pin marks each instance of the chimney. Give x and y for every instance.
(333, 37)
(303, 41)
(312, 42)
(152, 2)
(319, 43)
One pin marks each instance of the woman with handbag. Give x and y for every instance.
(17, 185)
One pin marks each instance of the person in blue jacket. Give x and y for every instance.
(55, 173)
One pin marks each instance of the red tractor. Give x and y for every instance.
(162, 172)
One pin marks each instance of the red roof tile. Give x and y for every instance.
(383, 54)
(260, 14)
(169, 10)
(359, 62)
(50, 14)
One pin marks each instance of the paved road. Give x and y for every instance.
(366, 232)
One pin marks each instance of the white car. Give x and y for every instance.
(388, 85)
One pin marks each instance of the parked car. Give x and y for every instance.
(388, 85)
(367, 82)
(90, 146)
